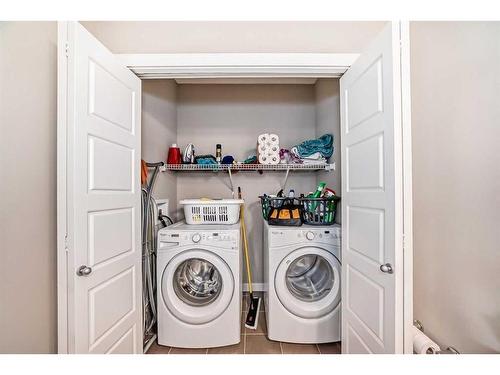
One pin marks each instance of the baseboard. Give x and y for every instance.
(257, 287)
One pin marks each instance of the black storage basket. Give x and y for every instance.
(319, 211)
(281, 211)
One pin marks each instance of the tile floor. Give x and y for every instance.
(254, 342)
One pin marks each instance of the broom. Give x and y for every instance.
(253, 311)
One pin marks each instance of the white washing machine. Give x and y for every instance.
(302, 268)
(199, 285)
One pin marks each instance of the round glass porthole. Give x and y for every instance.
(197, 282)
(310, 278)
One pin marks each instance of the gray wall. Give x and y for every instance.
(456, 182)
(28, 187)
(159, 131)
(234, 115)
(328, 122)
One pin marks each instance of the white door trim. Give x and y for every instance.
(62, 202)
(238, 65)
(404, 32)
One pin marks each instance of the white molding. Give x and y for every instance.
(404, 29)
(238, 65)
(247, 81)
(62, 113)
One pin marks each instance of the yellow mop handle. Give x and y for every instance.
(245, 244)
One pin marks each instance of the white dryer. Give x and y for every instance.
(199, 285)
(302, 268)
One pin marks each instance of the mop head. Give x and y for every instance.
(253, 313)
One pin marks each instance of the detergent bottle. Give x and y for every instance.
(319, 190)
(317, 194)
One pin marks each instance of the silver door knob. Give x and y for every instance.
(387, 268)
(84, 271)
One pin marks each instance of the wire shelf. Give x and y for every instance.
(247, 167)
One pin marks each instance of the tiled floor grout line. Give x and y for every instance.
(319, 350)
(281, 348)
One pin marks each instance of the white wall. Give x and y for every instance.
(456, 182)
(28, 187)
(159, 131)
(234, 115)
(328, 122)
(196, 36)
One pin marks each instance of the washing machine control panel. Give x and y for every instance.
(222, 239)
(283, 237)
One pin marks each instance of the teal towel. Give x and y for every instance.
(323, 145)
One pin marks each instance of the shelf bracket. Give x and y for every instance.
(231, 180)
(286, 179)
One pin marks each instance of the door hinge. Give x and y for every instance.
(66, 247)
(66, 49)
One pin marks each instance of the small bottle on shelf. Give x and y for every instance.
(218, 153)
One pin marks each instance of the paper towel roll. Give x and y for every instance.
(274, 139)
(423, 344)
(263, 138)
(262, 149)
(265, 149)
(274, 159)
(269, 158)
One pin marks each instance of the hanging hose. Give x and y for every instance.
(149, 246)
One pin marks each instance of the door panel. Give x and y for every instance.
(365, 96)
(372, 315)
(110, 99)
(125, 345)
(103, 148)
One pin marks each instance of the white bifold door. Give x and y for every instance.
(372, 183)
(99, 198)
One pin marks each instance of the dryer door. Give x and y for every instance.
(197, 286)
(307, 282)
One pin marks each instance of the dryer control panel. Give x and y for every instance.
(221, 239)
(282, 236)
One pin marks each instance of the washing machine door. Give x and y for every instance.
(197, 286)
(307, 282)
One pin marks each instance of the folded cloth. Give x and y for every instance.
(315, 156)
(288, 157)
(322, 160)
(250, 160)
(205, 159)
(323, 145)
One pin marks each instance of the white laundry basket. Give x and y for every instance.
(212, 211)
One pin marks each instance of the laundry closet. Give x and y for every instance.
(233, 115)
(116, 110)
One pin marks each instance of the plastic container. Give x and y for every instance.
(174, 155)
(319, 211)
(281, 211)
(212, 211)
